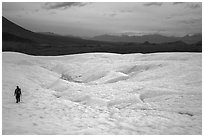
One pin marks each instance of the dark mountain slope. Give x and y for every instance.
(12, 28)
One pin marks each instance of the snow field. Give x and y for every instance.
(103, 93)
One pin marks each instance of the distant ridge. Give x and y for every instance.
(153, 38)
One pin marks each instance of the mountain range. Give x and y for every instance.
(18, 39)
(152, 38)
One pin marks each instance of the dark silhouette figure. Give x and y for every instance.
(17, 93)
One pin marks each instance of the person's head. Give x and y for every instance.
(17, 86)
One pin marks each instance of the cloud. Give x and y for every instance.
(126, 11)
(52, 13)
(110, 14)
(113, 14)
(176, 3)
(194, 5)
(153, 4)
(63, 5)
(191, 21)
(36, 10)
(169, 17)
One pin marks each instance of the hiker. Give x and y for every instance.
(17, 93)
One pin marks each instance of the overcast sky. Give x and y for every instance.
(90, 19)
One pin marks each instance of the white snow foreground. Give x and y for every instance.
(102, 93)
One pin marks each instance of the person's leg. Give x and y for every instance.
(16, 99)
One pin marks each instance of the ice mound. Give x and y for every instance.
(111, 77)
(81, 73)
(91, 101)
(140, 68)
(129, 99)
(59, 85)
(78, 97)
(155, 92)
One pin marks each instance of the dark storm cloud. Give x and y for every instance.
(153, 4)
(63, 5)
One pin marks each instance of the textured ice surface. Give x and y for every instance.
(103, 93)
